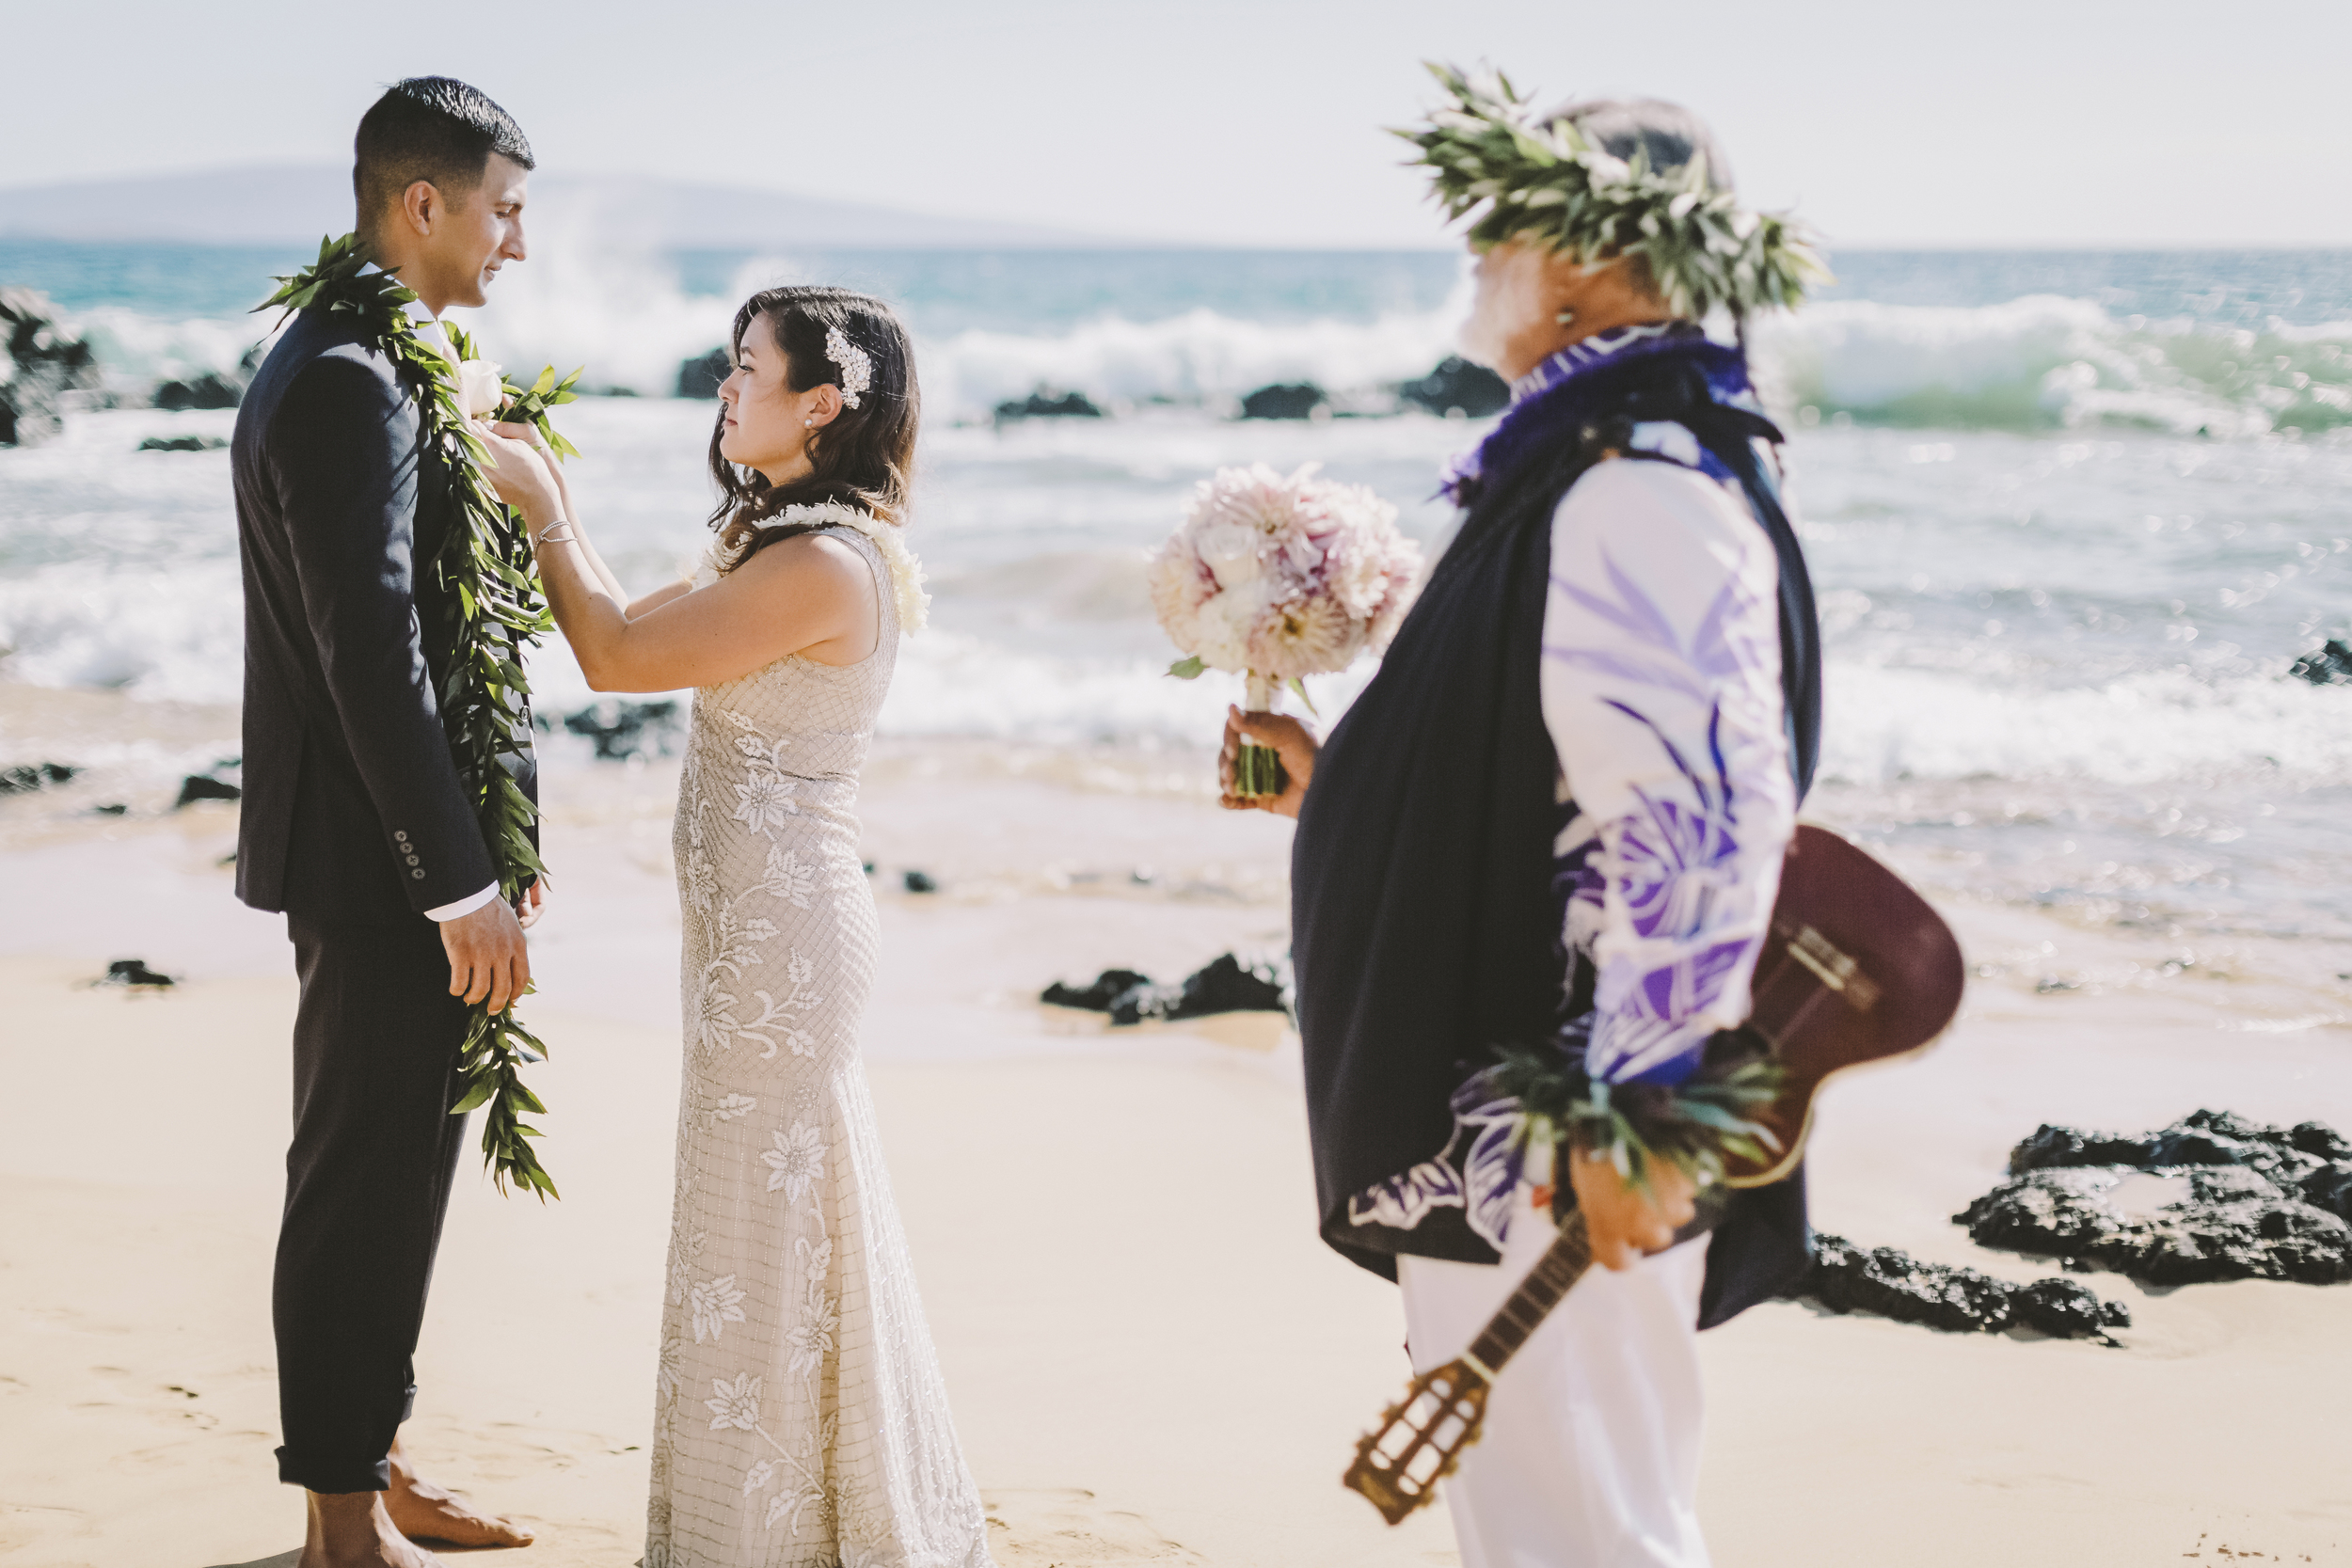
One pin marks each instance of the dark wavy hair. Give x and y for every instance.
(864, 458)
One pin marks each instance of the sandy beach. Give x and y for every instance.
(1151, 1356)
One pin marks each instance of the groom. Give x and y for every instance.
(355, 826)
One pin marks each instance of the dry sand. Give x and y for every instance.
(1151, 1359)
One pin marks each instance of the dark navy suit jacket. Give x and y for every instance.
(353, 810)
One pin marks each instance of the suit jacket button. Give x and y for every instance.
(402, 837)
(413, 861)
(418, 874)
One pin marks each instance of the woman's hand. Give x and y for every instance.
(520, 475)
(528, 435)
(1293, 742)
(1623, 1220)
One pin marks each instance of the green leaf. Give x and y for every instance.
(1187, 668)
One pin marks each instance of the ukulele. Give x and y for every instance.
(1856, 970)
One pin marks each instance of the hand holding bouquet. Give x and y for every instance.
(1276, 578)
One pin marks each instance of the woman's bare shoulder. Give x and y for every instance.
(821, 555)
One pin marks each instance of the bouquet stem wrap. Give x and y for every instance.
(1258, 769)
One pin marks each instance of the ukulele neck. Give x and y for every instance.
(1561, 1265)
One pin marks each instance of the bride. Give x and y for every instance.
(799, 1415)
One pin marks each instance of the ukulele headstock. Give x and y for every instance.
(1419, 1440)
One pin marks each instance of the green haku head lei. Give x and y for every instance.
(1553, 186)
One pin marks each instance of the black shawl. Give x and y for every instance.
(1424, 929)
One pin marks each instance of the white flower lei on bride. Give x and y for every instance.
(906, 571)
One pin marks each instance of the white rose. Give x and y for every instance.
(481, 389)
(1231, 552)
(1222, 627)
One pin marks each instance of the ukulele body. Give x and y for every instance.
(1858, 970)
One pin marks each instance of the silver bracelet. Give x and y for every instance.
(548, 535)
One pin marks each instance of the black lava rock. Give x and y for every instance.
(49, 363)
(2329, 665)
(1890, 1283)
(2065, 1310)
(921, 881)
(1224, 985)
(182, 443)
(2049, 1146)
(2317, 1137)
(209, 390)
(2200, 1139)
(1107, 988)
(203, 786)
(24, 780)
(1459, 387)
(2330, 1187)
(1045, 404)
(1284, 401)
(1138, 1003)
(133, 972)
(700, 376)
(622, 729)
(2234, 1224)
(1227, 985)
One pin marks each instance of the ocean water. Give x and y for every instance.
(2072, 515)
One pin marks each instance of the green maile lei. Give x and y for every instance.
(1692, 1127)
(1550, 186)
(498, 610)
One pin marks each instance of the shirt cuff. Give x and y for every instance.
(464, 905)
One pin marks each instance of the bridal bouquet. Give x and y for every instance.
(1276, 578)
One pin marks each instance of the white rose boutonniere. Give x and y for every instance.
(481, 389)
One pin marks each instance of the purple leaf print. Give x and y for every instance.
(1404, 1201)
(1496, 1159)
(1673, 860)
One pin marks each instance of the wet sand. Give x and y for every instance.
(1152, 1359)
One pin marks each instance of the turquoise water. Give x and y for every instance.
(2072, 514)
(1027, 290)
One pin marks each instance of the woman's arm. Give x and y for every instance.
(660, 596)
(806, 596)
(564, 506)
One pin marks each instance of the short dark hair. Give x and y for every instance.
(432, 128)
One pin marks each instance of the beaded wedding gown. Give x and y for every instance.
(801, 1420)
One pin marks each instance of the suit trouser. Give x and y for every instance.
(1590, 1457)
(367, 1183)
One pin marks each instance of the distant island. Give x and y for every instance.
(295, 203)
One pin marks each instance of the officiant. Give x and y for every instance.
(1557, 815)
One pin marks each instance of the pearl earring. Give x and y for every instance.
(811, 424)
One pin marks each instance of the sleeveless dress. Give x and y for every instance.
(800, 1418)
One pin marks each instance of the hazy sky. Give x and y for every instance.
(1255, 121)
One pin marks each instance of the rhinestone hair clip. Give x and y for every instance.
(858, 371)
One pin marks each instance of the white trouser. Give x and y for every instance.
(1591, 1452)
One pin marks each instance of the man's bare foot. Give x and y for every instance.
(424, 1512)
(351, 1530)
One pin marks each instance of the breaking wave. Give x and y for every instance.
(2043, 361)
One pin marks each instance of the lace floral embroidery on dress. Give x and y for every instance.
(800, 1418)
